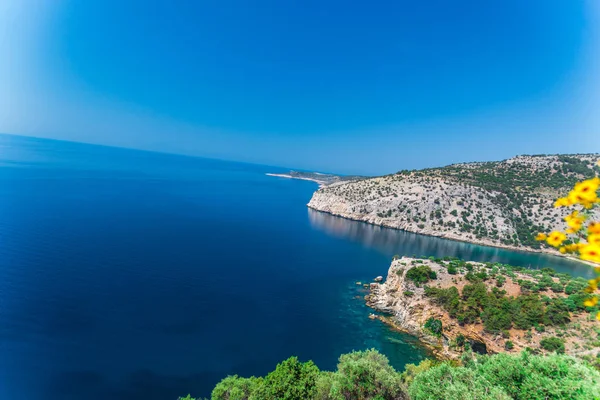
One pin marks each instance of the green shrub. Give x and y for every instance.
(367, 375)
(434, 326)
(500, 280)
(575, 285)
(360, 375)
(505, 376)
(421, 274)
(557, 313)
(291, 380)
(412, 370)
(447, 382)
(557, 287)
(530, 377)
(553, 344)
(235, 388)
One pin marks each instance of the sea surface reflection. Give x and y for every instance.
(394, 241)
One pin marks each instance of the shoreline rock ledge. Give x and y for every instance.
(408, 309)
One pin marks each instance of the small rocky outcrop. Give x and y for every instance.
(409, 309)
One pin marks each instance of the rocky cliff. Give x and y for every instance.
(494, 203)
(407, 307)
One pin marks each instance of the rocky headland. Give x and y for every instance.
(494, 307)
(503, 204)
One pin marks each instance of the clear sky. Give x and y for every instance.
(331, 85)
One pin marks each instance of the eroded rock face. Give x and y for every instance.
(484, 203)
(408, 306)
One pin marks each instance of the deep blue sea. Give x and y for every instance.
(135, 275)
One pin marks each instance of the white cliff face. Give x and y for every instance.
(499, 204)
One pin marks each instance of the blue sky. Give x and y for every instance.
(350, 87)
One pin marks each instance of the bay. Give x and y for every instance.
(134, 275)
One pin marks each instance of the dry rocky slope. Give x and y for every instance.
(503, 304)
(501, 203)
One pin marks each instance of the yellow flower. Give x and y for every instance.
(587, 187)
(585, 193)
(594, 227)
(594, 239)
(574, 221)
(562, 202)
(590, 252)
(570, 248)
(541, 237)
(556, 238)
(591, 302)
(586, 199)
(572, 216)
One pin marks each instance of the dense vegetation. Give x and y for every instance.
(503, 376)
(368, 375)
(499, 312)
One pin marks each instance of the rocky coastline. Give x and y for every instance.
(498, 204)
(404, 306)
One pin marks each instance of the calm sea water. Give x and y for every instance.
(135, 275)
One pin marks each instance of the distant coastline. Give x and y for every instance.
(320, 178)
(345, 202)
(320, 182)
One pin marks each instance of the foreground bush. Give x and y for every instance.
(447, 382)
(367, 375)
(504, 376)
(361, 375)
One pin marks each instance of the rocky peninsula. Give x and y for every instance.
(501, 204)
(496, 308)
